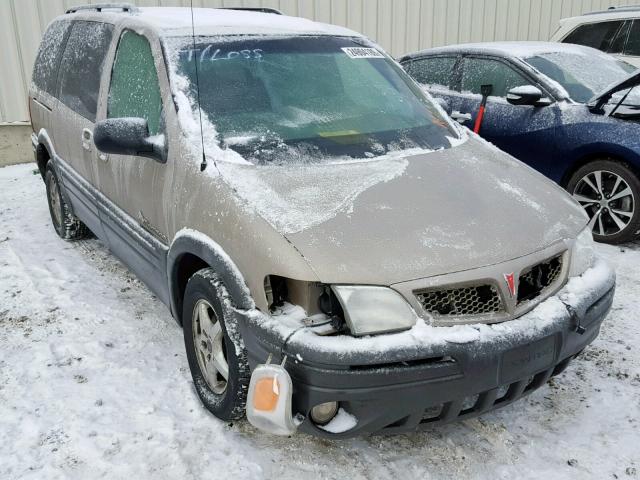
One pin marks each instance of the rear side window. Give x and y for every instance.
(45, 69)
(482, 71)
(81, 66)
(134, 90)
(432, 71)
(596, 35)
(633, 44)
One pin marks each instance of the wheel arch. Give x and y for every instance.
(192, 251)
(42, 158)
(616, 154)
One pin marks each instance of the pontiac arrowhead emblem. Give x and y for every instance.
(511, 284)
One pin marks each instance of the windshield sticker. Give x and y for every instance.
(362, 52)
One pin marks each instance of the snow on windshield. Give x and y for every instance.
(582, 74)
(284, 100)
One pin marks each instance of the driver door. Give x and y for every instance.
(132, 204)
(529, 133)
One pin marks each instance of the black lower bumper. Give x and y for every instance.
(459, 382)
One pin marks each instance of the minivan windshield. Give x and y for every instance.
(582, 75)
(306, 98)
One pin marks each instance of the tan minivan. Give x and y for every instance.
(290, 193)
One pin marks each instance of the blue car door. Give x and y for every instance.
(529, 133)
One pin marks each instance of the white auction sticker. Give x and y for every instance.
(362, 52)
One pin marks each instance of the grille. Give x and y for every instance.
(476, 300)
(540, 277)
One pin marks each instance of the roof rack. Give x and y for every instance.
(254, 9)
(626, 8)
(98, 7)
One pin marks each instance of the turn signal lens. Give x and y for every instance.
(267, 392)
(269, 400)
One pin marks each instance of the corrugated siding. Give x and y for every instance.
(400, 26)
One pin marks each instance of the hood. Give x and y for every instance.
(597, 102)
(397, 219)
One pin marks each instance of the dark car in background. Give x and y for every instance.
(569, 111)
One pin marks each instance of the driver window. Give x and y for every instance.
(134, 90)
(481, 71)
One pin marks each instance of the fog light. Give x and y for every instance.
(323, 413)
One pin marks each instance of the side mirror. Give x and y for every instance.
(444, 104)
(527, 95)
(129, 136)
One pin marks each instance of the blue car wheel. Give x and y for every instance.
(610, 194)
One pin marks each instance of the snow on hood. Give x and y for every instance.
(398, 219)
(294, 199)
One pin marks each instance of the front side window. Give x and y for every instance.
(481, 71)
(81, 66)
(45, 68)
(433, 71)
(134, 90)
(304, 99)
(595, 35)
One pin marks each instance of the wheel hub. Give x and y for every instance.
(208, 340)
(608, 200)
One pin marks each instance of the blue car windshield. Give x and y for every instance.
(306, 98)
(582, 75)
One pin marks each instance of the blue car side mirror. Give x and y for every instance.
(527, 95)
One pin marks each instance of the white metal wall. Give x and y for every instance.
(400, 26)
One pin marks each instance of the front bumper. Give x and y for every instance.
(402, 382)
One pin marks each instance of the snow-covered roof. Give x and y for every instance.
(176, 21)
(508, 49)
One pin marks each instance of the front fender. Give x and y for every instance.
(188, 241)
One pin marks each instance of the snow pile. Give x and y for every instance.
(342, 422)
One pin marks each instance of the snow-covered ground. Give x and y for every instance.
(94, 383)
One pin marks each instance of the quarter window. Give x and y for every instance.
(81, 66)
(432, 71)
(480, 71)
(45, 68)
(134, 90)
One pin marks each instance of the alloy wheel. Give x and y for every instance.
(608, 200)
(208, 340)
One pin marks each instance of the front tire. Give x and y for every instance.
(65, 223)
(215, 350)
(610, 194)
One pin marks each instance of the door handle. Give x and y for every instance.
(87, 139)
(460, 117)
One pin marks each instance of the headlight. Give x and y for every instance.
(369, 310)
(582, 254)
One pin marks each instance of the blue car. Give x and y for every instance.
(570, 112)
